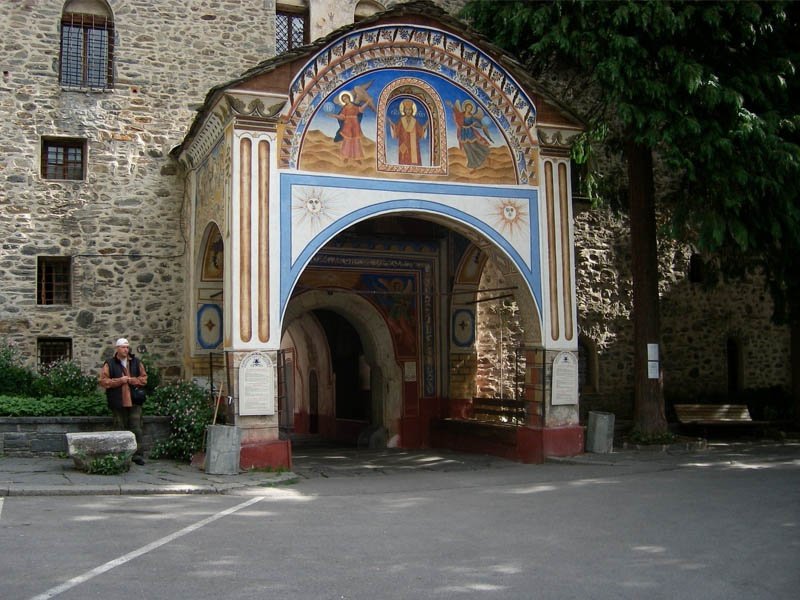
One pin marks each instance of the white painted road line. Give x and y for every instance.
(59, 589)
(1, 507)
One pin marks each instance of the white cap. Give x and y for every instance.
(121, 342)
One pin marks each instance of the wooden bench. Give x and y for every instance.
(499, 410)
(713, 414)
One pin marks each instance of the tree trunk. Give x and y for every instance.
(649, 419)
(794, 333)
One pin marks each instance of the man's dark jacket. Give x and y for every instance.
(114, 395)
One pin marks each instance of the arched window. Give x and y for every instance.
(87, 45)
(588, 375)
(697, 268)
(366, 8)
(733, 355)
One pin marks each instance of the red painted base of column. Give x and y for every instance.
(525, 444)
(534, 444)
(275, 454)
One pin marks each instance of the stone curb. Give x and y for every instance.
(132, 489)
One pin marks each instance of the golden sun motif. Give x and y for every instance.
(510, 216)
(313, 208)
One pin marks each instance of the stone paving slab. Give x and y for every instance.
(58, 476)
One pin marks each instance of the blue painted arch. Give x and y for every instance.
(406, 203)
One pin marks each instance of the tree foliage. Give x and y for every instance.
(711, 87)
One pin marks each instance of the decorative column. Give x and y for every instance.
(255, 337)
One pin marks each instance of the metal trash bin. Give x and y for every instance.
(600, 433)
(223, 444)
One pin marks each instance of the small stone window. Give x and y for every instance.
(63, 158)
(588, 373)
(50, 350)
(291, 28)
(54, 280)
(87, 45)
(733, 356)
(697, 269)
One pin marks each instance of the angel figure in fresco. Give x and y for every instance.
(408, 132)
(400, 306)
(349, 116)
(472, 132)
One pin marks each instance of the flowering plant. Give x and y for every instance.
(190, 411)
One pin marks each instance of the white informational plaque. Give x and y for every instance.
(256, 385)
(565, 379)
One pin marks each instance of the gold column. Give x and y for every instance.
(566, 252)
(263, 241)
(555, 325)
(245, 177)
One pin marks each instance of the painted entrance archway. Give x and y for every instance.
(395, 118)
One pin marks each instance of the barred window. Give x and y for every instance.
(87, 50)
(63, 158)
(54, 280)
(290, 30)
(50, 350)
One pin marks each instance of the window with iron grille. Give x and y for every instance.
(50, 350)
(290, 30)
(87, 51)
(54, 280)
(63, 158)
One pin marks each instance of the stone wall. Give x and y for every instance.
(500, 365)
(41, 436)
(697, 320)
(123, 226)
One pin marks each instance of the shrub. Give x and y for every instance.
(64, 378)
(49, 406)
(109, 465)
(14, 377)
(187, 405)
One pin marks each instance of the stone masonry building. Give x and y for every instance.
(126, 127)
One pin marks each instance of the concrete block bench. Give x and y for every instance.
(87, 447)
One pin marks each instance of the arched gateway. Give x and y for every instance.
(395, 212)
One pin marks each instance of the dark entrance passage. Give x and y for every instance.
(352, 397)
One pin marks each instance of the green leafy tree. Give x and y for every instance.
(710, 89)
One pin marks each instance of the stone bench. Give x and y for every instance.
(87, 447)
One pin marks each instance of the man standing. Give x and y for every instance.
(123, 377)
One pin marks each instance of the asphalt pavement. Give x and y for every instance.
(53, 475)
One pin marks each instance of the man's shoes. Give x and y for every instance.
(138, 460)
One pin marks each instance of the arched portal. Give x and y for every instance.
(378, 353)
(394, 280)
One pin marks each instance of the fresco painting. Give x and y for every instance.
(396, 296)
(400, 288)
(409, 133)
(400, 123)
(213, 257)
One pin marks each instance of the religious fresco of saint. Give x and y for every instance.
(213, 257)
(398, 123)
